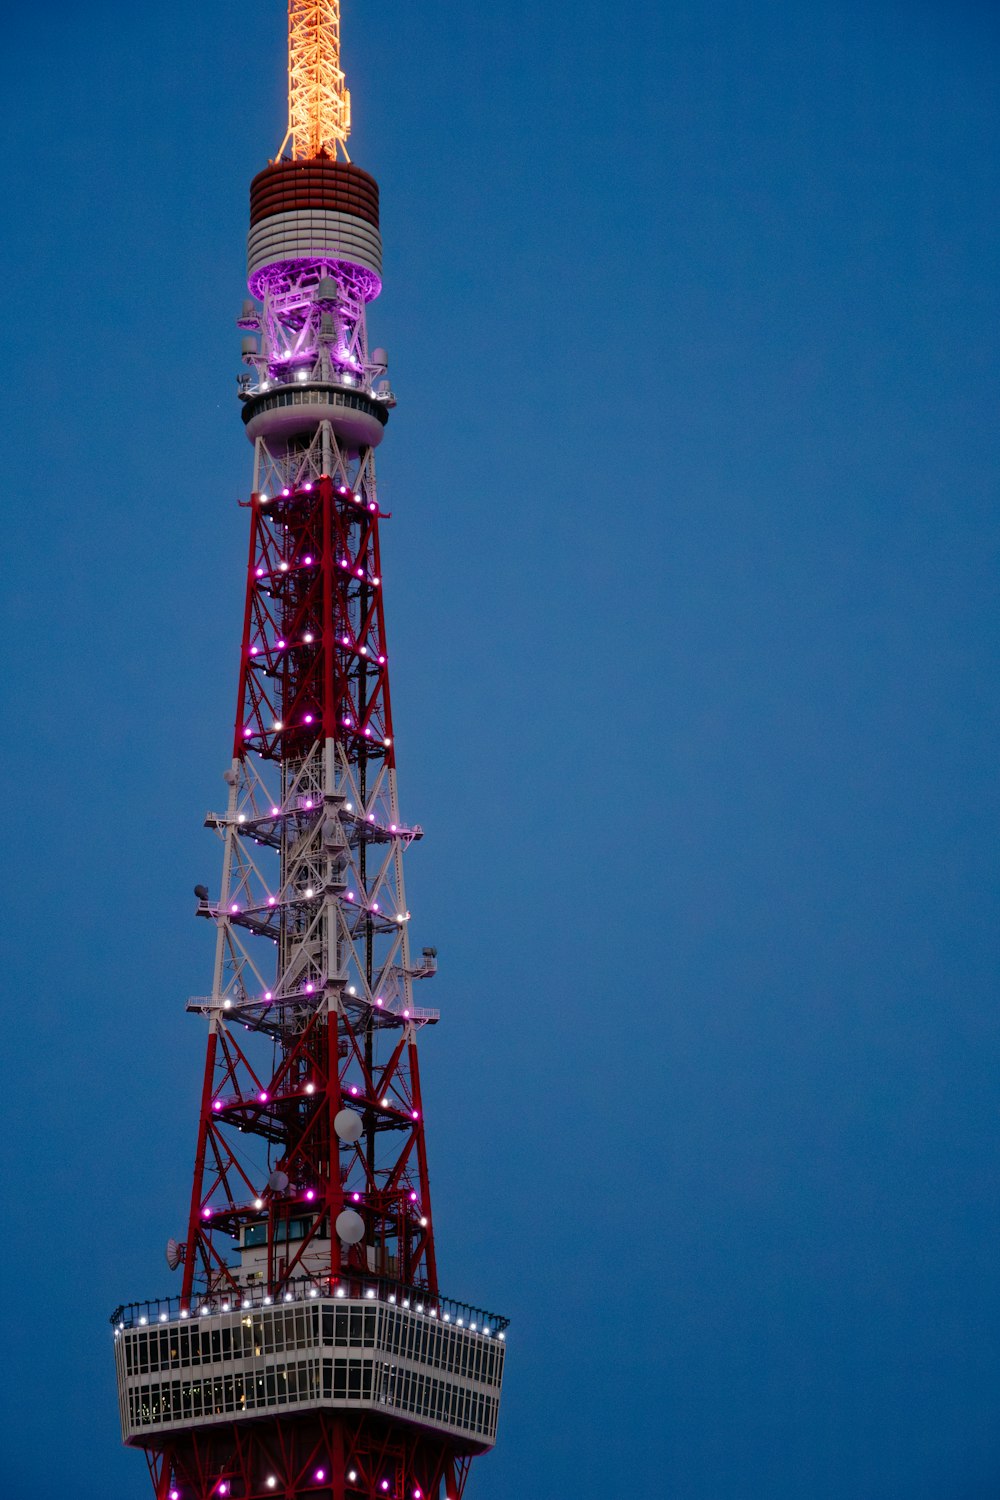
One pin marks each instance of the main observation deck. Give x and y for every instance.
(379, 1347)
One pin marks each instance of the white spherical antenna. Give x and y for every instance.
(278, 1181)
(174, 1253)
(350, 1226)
(348, 1126)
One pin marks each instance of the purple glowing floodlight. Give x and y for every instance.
(264, 1096)
(307, 487)
(381, 661)
(286, 493)
(272, 900)
(353, 1089)
(379, 1000)
(356, 1197)
(280, 645)
(268, 995)
(308, 557)
(368, 733)
(254, 650)
(234, 909)
(308, 719)
(310, 1195)
(260, 572)
(320, 1475)
(416, 1114)
(385, 1484)
(247, 731)
(360, 572)
(310, 987)
(413, 1197)
(206, 1213)
(275, 811)
(216, 1103)
(406, 1015)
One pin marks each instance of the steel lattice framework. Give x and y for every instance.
(310, 1351)
(312, 865)
(319, 104)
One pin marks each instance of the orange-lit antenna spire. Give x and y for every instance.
(319, 105)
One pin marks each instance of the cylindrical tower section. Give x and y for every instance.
(314, 261)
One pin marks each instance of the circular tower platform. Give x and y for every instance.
(319, 210)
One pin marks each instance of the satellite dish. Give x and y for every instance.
(201, 891)
(278, 1181)
(348, 1126)
(174, 1253)
(350, 1226)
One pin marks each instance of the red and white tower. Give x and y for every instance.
(309, 1351)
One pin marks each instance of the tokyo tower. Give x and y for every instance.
(309, 1350)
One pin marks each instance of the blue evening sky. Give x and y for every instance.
(692, 600)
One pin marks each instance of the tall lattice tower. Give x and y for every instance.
(309, 1351)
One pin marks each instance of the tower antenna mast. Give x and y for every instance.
(308, 1351)
(319, 102)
